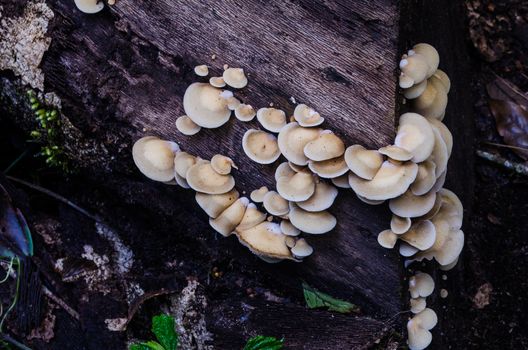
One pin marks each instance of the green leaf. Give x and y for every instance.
(316, 299)
(150, 345)
(163, 328)
(261, 342)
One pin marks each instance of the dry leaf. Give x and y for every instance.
(512, 124)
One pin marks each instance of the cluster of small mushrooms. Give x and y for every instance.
(409, 174)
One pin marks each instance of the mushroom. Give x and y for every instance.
(440, 154)
(434, 210)
(302, 249)
(214, 204)
(272, 119)
(445, 250)
(252, 217)
(330, 168)
(363, 162)
(218, 82)
(233, 103)
(413, 70)
(396, 153)
(201, 70)
(409, 205)
(265, 239)
(418, 305)
(299, 187)
(180, 181)
(448, 266)
(433, 101)
(451, 209)
(186, 126)
(322, 199)
(415, 135)
(421, 285)
(415, 90)
(230, 218)
(446, 135)
(89, 6)
(430, 54)
(387, 239)
(205, 105)
(390, 181)
(235, 77)
(341, 181)
(400, 225)
(314, 223)
(203, 178)
(260, 146)
(443, 78)
(182, 162)
(275, 204)
(421, 235)
(425, 179)
(307, 116)
(284, 170)
(155, 158)
(245, 113)
(407, 250)
(324, 147)
(418, 329)
(257, 196)
(296, 167)
(293, 138)
(370, 201)
(288, 229)
(222, 164)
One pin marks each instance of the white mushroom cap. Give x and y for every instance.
(313, 223)
(302, 249)
(230, 218)
(407, 250)
(443, 78)
(233, 103)
(293, 138)
(275, 204)
(329, 169)
(245, 113)
(299, 187)
(265, 239)
(322, 199)
(89, 6)
(419, 336)
(260, 146)
(415, 135)
(307, 116)
(218, 82)
(205, 105)
(201, 70)
(155, 158)
(414, 68)
(390, 181)
(284, 170)
(440, 181)
(436, 207)
(203, 178)
(440, 154)
(451, 209)
(446, 135)
(415, 90)
(324, 147)
(430, 54)
(186, 126)
(370, 201)
(182, 162)
(396, 153)
(214, 204)
(288, 229)
(387, 239)
(341, 181)
(272, 119)
(400, 225)
(235, 77)
(446, 253)
(418, 305)
(433, 101)
(421, 235)
(222, 164)
(408, 205)
(425, 179)
(252, 217)
(405, 81)
(448, 266)
(181, 181)
(421, 285)
(296, 167)
(257, 196)
(362, 162)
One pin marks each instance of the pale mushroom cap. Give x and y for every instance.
(407, 250)
(186, 126)
(425, 179)
(222, 164)
(408, 205)
(451, 209)
(288, 229)
(362, 162)
(252, 217)
(370, 201)
(434, 210)
(299, 187)
(89, 6)
(205, 105)
(330, 168)
(443, 78)
(396, 153)
(218, 82)
(265, 239)
(260, 146)
(257, 196)
(272, 119)
(275, 204)
(414, 67)
(182, 162)
(387, 239)
(419, 336)
(233, 103)
(284, 170)
(449, 266)
(293, 138)
(230, 218)
(214, 204)
(421, 285)
(302, 249)
(421, 235)
(313, 223)
(155, 158)
(203, 178)
(415, 90)
(400, 225)
(341, 181)
(418, 305)
(440, 181)
(245, 113)
(296, 167)
(389, 182)
(324, 147)
(446, 135)
(415, 135)
(405, 81)
(431, 56)
(440, 154)
(322, 199)
(433, 101)
(201, 70)
(307, 116)
(181, 181)
(449, 252)
(235, 77)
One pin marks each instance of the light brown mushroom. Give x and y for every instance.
(260, 146)
(307, 116)
(443, 78)
(155, 158)
(322, 199)
(421, 285)
(433, 101)
(257, 196)
(409, 205)
(302, 249)
(329, 169)
(418, 329)
(203, 178)
(206, 105)
(217, 82)
(233, 103)
(370, 201)
(445, 250)
(313, 223)
(235, 77)
(418, 305)
(214, 204)
(415, 135)
(446, 135)
(341, 181)
(296, 167)
(413, 70)
(421, 235)
(363, 162)
(293, 138)
(89, 6)
(272, 119)
(245, 113)
(230, 218)
(415, 90)
(387, 239)
(400, 225)
(201, 70)
(288, 229)
(430, 54)
(275, 204)
(407, 250)
(186, 126)
(266, 239)
(425, 179)
(451, 209)
(396, 153)
(182, 162)
(252, 217)
(284, 170)
(324, 147)
(222, 164)
(299, 187)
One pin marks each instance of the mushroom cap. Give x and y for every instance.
(235, 77)
(201, 70)
(440, 154)
(307, 116)
(324, 147)
(434, 210)
(421, 285)
(445, 253)
(245, 113)
(182, 162)
(314, 223)
(215, 204)
(433, 101)
(293, 138)
(205, 105)
(288, 229)
(407, 250)
(363, 162)
(89, 6)
(186, 126)
(203, 178)
(370, 201)
(222, 164)
(405, 81)
(284, 170)
(419, 336)
(252, 217)
(421, 235)
(272, 119)
(275, 204)
(430, 54)
(415, 90)
(341, 181)
(218, 82)
(425, 179)
(302, 249)
(181, 181)
(260, 146)
(322, 199)
(418, 305)
(443, 78)
(396, 153)
(155, 158)
(448, 266)
(265, 239)
(329, 169)
(387, 239)
(451, 209)
(299, 187)
(233, 103)
(296, 167)
(390, 181)
(257, 196)
(408, 205)
(230, 218)
(446, 135)
(415, 67)
(400, 225)
(415, 135)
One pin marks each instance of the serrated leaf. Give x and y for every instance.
(150, 345)
(261, 342)
(316, 299)
(163, 329)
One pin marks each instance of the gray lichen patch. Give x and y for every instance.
(23, 42)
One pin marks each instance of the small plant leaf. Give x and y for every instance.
(316, 299)
(163, 328)
(150, 345)
(261, 342)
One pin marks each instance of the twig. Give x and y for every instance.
(517, 167)
(15, 162)
(61, 303)
(506, 146)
